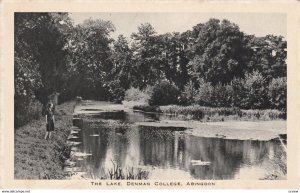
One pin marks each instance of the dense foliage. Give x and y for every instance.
(40, 60)
(164, 93)
(213, 64)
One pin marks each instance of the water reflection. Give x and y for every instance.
(129, 117)
(170, 150)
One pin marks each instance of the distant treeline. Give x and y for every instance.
(212, 64)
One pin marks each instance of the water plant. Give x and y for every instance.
(197, 112)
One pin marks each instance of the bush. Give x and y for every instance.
(250, 92)
(147, 108)
(221, 96)
(238, 92)
(135, 94)
(277, 93)
(116, 91)
(198, 112)
(266, 115)
(256, 91)
(188, 94)
(164, 93)
(214, 96)
(26, 110)
(204, 94)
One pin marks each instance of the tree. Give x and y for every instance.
(40, 59)
(252, 91)
(52, 39)
(267, 55)
(164, 93)
(221, 96)
(277, 93)
(204, 94)
(172, 58)
(188, 94)
(123, 67)
(217, 52)
(90, 46)
(145, 52)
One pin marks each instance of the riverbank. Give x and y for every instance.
(240, 130)
(37, 158)
(214, 114)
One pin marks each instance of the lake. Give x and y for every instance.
(111, 141)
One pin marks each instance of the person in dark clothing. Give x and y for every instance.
(49, 120)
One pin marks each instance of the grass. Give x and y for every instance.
(147, 108)
(37, 158)
(197, 112)
(117, 173)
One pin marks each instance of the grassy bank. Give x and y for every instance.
(37, 158)
(197, 112)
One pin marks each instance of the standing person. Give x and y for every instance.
(49, 120)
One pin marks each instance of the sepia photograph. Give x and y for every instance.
(150, 96)
(141, 95)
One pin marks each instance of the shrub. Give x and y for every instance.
(188, 94)
(164, 93)
(268, 114)
(221, 96)
(237, 92)
(250, 92)
(26, 110)
(147, 108)
(277, 93)
(116, 91)
(215, 96)
(256, 91)
(204, 94)
(135, 94)
(198, 112)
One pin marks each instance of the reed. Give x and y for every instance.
(147, 108)
(197, 112)
(117, 173)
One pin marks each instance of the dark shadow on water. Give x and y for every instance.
(91, 110)
(128, 117)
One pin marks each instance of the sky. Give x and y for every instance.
(259, 24)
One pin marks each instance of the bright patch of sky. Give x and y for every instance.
(259, 24)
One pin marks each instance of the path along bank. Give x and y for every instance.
(37, 158)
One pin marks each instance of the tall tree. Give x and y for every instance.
(123, 67)
(173, 59)
(90, 46)
(40, 57)
(217, 52)
(145, 52)
(267, 55)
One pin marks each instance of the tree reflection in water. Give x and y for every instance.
(167, 149)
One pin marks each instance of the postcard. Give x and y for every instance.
(150, 94)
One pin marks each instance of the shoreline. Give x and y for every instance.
(212, 114)
(37, 158)
(235, 130)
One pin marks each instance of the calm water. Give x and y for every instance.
(171, 153)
